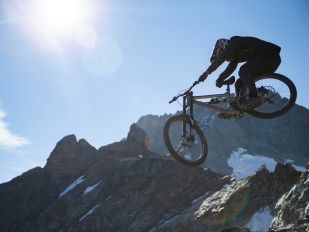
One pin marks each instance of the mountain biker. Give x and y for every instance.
(260, 57)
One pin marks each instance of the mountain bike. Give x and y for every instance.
(185, 140)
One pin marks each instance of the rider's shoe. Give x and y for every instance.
(233, 103)
(249, 104)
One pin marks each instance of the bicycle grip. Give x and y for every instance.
(174, 98)
(195, 83)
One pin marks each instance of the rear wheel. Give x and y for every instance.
(278, 94)
(185, 141)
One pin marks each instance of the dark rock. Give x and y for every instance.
(69, 158)
(286, 172)
(135, 189)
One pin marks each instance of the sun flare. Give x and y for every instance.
(54, 22)
(58, 16)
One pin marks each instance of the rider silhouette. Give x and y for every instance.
(260, 57)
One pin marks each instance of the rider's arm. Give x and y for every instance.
(217, 62)
(228, 71)
(226, 55)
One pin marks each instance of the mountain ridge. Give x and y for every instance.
(124, 186)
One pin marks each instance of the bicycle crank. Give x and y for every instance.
(235, 114)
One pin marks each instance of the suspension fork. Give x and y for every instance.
(187, 103)
(190, 104)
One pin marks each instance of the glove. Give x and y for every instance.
(202, 77)
(219, 83)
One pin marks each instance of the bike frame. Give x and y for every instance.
(189, 100)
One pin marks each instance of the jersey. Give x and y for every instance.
(241, 49)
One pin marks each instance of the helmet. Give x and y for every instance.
(220, 45)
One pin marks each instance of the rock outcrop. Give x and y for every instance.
(235, 206)
(293, 207)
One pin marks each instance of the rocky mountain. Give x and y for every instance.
(119, 187)
(283, 139)
(126, 187)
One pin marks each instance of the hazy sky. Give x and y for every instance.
(93, 67)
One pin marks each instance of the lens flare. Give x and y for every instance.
(59, 16)
(52, 23)
(227, 216)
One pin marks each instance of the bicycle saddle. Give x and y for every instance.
(229, 81)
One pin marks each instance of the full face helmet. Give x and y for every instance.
(219, 47)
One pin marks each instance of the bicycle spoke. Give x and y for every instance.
(181, 148)
(277, 96)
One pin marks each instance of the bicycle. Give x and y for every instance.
(185, 140)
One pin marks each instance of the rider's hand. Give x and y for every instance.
(202, 77)
(219, 83)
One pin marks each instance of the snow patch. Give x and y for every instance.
(91, 188)
(89, 212)
(109, 197)
(78, 181)
(164, 222)
(244, 164)
(200, 197)
(261, 220)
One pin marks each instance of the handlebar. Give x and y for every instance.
(185, 93)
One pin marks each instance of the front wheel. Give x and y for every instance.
(278, 94)
(184, 140)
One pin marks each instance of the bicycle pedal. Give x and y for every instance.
(224, 116)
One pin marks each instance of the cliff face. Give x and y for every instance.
(283, 138)
(125, 187)
(293, 207)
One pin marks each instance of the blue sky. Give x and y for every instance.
(122, 60)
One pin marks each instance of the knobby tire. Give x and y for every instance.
(287, 107)
(166, 135)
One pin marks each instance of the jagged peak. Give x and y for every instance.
(67, 149)
(69, 139)
(137, 135)
(84, 142)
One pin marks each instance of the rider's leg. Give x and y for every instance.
(267, 63)
(239, 84)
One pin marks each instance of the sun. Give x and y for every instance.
(53, 22)
(58, 16)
